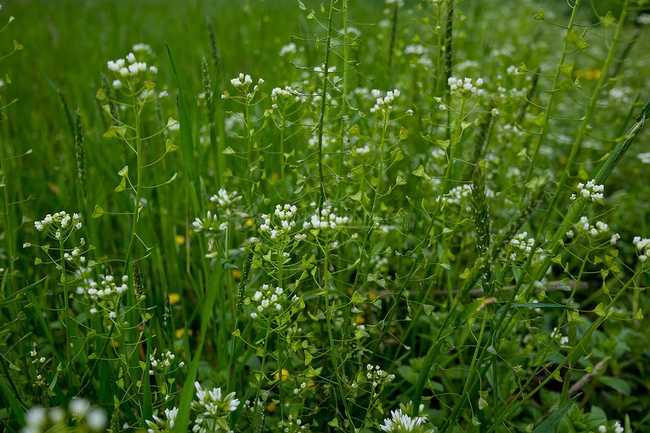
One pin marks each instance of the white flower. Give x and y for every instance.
(642, 246)
(522, 245)
(466, 86)
(399, 422)
(645, 156)
(79, 407)
(159, 424)
(384, 103)
(36, 417)
(96, 419)
(213, 408)
(289, 48)
(325, 219)
(457, 194)
(643, 19)
(590, 191)
(618, 428)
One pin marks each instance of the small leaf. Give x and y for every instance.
(98, 212)
(170, 147)
(121, 186)
(358, 298)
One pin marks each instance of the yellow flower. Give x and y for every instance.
(588, 74)
(285, 374)
(174, 298)
(236, 274)
(180, 239)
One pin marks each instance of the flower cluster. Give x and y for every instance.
(377, 376)
(245, 81)
(287, 92)
(399, 422)
(593, 230)
(466, 85)
(420, 53)
(208, 223)
(642, 246)
(225, 199)
(557, 335)
(59, 225)
(37, 360)
(287, 49)
(522, 245)
(241, 80)
(268, 299)
(102, 292)
(285, 216)
(213, 408)
(293, 425)
(212, 222)
(326, 218)
(457, 194)
(160, 425)
(644, 157)
(75, 254)
(163, 362)
(132, 68)
(415, 49)
(39, 419)
(384, 103)
(591, 191)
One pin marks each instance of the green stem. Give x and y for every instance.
(586, 119)
(554, 91)
(323, 107)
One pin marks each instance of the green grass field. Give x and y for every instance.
(325, 216)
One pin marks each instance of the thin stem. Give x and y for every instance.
(554, 91)
(323, 107)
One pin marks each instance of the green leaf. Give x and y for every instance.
(170, 147)
(358, 298)
(121, 186)
(98, 212)
(600, 309)
(115, 131)
(419, 172)
(619, 385)
(549, 425)
(11, 399)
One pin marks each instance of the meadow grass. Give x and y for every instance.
(328, 216)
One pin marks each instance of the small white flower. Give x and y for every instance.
(96, 419)
(79, 407)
